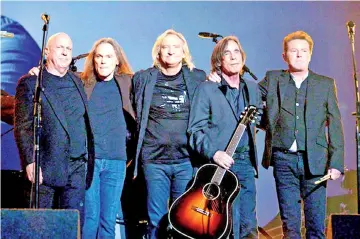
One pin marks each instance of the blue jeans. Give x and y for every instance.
(164, 181)
(294, 183)
(244, 206)
(102, 199)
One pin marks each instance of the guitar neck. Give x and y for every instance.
(235, 139)
(230, 149)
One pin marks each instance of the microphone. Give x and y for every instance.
(208, 35)
(45, 18)
(351, 28)
(72, 66)
(246, 69)
(323, 179)
(5, 34)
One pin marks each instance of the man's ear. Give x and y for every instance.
(284, 57)
(46, 51)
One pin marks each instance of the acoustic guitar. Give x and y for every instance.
(204, 210)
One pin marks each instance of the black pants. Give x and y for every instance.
(71, 196)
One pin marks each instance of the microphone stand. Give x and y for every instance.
(37, 117)
(72, 66)
(357, 113)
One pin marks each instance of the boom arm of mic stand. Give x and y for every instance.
(246, 69)
(253, 76)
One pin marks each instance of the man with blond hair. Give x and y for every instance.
(304, 137)
(162, 97)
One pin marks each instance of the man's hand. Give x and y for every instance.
(214, 77)
(334, 173)
(34, 71)
(223, 159)
(30, 171)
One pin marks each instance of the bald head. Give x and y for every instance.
(58, 52)
(53, 38)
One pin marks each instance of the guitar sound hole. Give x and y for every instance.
(211, 191)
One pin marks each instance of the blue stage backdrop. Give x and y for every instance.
(260, 27)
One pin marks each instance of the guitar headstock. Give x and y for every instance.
(248, 115)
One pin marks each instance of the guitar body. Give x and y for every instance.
(204, 210)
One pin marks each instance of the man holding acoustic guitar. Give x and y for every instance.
(216, 110)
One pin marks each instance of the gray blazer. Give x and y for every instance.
(324, 132)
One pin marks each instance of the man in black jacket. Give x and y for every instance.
(304, 137)
(216, 111)
(66, 142)
(162, 96)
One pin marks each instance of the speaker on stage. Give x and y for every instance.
(341, 226)
(40, 223)
(14, 189)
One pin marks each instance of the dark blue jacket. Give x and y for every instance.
(213, 120)
(55, 141)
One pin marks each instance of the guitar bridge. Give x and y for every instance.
(202, 211)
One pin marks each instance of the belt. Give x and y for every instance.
(287, 151)
(243, 149)
(81, 157)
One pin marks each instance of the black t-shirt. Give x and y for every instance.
(165, 137)
(108, 121)
(74, 110)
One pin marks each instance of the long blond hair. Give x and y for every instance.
(187, 60)
(89, 74)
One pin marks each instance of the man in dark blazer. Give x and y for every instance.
(216, 112)
(162, 96)
(66, 141)
(304, 137)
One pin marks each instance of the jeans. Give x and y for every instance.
(102, 199)
(164, 181)
(71, 196)
(293, 183)
(244, 206)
